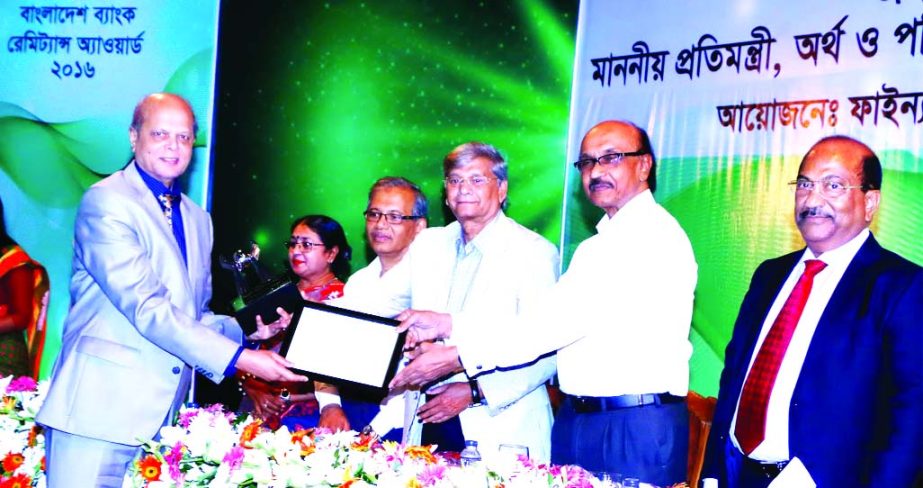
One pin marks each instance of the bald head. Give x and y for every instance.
(854, 151)
(155, 100)
(162, 136)
(610, 183)
(838, 194)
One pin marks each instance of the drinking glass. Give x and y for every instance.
(631, 483)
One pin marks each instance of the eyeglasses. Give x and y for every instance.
(390, 217)
(304, 243)
(587, 164)
(476, 181)
(832, 187)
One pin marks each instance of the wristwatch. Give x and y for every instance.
(476, 398)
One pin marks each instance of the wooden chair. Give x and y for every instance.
(701, 411)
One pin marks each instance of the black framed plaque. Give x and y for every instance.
(337, 345)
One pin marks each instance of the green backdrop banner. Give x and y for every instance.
(318, 100)
(733, 94)
(72, 74)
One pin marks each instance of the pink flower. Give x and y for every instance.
(173, 459)
(185, 418)
(431, 474)
(23, 383)
(234, 458)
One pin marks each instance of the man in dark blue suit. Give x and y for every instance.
(823, 376)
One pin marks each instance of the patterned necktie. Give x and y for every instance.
(166, 200)
(751, 413)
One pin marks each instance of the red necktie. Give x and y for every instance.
(751, 413)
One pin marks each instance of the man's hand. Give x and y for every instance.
(433, 361)
(265, 331)
(334, 418)
(423, 326)
(266, 403)
(445, 402)
(266, 365)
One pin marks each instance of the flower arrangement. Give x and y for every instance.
(22, 444)
(213, 448)
(210, 447)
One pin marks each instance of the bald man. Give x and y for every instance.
(619, 320)
(823, 376)
(139, 321)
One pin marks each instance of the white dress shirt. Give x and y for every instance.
(514, 263)
(370, 282)
(619, 317)
(775, 443)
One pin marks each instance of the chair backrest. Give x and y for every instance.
(701, 411)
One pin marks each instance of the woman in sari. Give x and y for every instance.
(318, 255)
(23, 295)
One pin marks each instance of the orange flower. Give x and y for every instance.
(12, 461)
(150, 468)
(249, 433)
(17, 481)
(364, 443)
(33, 434)
(420, 452)
(298, 437)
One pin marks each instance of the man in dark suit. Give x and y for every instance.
(823, 376)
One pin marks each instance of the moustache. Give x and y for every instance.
(598, 182)
(813, 212)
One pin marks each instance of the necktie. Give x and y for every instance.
(166, 200)
(751, 413)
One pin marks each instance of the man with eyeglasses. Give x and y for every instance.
(619, 320)
(395, 214)
(823, 375)
(484, 262)
(139, 322)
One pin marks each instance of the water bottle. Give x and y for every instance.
(470, 455)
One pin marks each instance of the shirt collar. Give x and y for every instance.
(841, 256)
(489, 236)
(155, 186)
(636, 208)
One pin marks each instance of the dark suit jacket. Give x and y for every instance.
(856, 415)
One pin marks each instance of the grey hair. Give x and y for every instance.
(468, 152)
(420, 207)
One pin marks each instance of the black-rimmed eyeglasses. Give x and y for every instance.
(587, 164)
(390, 217)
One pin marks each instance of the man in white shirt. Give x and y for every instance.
(487, 263)
(395, 214)
(823, 376)
(619, 319)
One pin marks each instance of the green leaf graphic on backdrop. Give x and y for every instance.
(33, 151)
(188, 79)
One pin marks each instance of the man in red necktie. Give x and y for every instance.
(823, 376)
